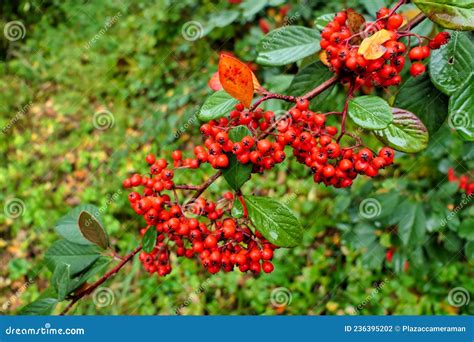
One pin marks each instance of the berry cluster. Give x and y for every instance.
(465, 183)
(221, 243)
(385, 71)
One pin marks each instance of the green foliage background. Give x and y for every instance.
(143, 71)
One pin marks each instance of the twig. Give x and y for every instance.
(99, 282)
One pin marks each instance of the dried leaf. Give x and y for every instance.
(236, 78)
(356, 23)
(371, 47)
(323, 56)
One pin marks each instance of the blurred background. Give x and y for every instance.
(88, 88)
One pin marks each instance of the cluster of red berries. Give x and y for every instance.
(465, 183)
(314, 145)
(384, 71)
(221, 243)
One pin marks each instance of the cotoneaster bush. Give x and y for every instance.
(240, 231)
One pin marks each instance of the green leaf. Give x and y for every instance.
(419, 96)
(61, 280)
(237, 209)
(237, 173)
(216, 106)
(469, 250)
(373, 6)
(92, 230)
(412, 223)
(370, 112)
(406, 133)
(451, 65)
(374, 256)
(452, 14)
(461, 113)
(252, 7)
(287, 44)
(98, 267)
(40, 307)
(149, 239)
(466, 229)
(68, 226)
(79, 257)
(277, 223)
(308, 77)
(223, 18)
(323, 20)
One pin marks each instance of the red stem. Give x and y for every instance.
(344, 111)
(244, 206)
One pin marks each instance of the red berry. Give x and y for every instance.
(417, 69)
(394, 22)
(267, 267)
(302, 104)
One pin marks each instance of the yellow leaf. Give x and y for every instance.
(237, 79)
(371, 47)
(323, 56)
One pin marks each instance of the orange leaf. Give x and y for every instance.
(236, 79)
(371, 47)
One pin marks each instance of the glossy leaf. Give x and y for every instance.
(419, 96)
(461, 111)
(40, 307)
(287, 44)
(216, 106)
(149, 239)
(323, 20)
(451, 65)
(237, 209)
(452, 14)
(277, 223)
(61, 279)
(236, 78)
(412, 223)
(92, 230)
(466, 229)
(78, 257)
(406, 133)
(307, 77)
(370, 112)
(237, 173)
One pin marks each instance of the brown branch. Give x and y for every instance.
(104, 278)
(269, 96)
(414, 22)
